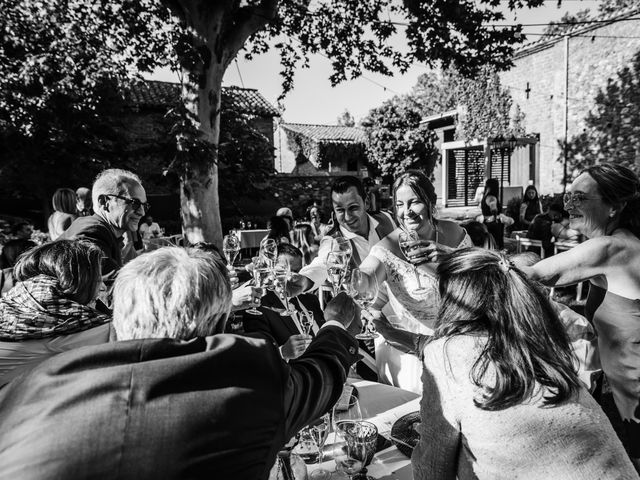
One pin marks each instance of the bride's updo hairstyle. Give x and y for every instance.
(484, 294)
(421, 186)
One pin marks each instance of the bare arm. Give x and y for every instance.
(585, 261)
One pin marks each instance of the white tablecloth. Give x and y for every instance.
(251, 238)
(383, 405)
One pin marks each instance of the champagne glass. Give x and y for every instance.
(230, 248)
(269, 250)
(320, 431)
(343, 418)
(307, 448)
(405, 240)
(364, 290)
(336, 269)
(342, 245)
(260, 277)
(351, 461)
(282, 271)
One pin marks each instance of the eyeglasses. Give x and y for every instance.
(134, 202)
(576, 198)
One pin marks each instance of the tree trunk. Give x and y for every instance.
(199, 202)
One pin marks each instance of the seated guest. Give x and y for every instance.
(479, 235)
(173, 398)
(56, 283)
(64, 212)
(286, 330)
(8, 258)
(84, 208)
(22, 230)
(560, 228)
(278, 230)
(119, 202)
(502, 399)
(149, 229)
(303, 239)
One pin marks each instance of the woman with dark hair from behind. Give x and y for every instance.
(11, 251)
(603, 203)
(48, 311)
(64, 212)
(278, 230)
(502, 399)
(304, 240)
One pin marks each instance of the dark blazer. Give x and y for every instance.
(277, 326)
(220, 407)
(96, 230)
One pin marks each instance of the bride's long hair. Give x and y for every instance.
(482, 293)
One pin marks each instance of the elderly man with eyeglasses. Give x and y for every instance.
(119, 202)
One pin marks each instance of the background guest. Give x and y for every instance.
(303, 239)
(279, 230)
(479, 235)
(287, 214)
(64, 212)
(501, 397)
(84, 207)
(119, 202)
(56, 284)
(604, 206)
(149, 229)
(315, 220)
(11, 251)
(172, 403)
(530, 206)
(492, 215)
(22, 230)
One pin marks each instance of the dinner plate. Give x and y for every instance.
(405, 434)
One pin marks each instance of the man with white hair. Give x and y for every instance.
(119, 202)
(173, 398)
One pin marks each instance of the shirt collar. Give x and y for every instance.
(373, 224)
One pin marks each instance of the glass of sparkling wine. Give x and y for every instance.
(230, 248)
(282, 273)
(406, 239)
(364, 290)
(336, 270)
(320, 431)
(261, 276)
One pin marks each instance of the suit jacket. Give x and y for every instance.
(219, 407)
(277, 326)
(96, 230)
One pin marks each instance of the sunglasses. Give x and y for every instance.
(576, 198)
(134, 202)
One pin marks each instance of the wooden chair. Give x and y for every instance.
(523, 242)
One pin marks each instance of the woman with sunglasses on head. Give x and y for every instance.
(410, 276)
(502, 399)
(604, 205)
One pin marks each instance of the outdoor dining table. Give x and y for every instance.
(251, 238)
(382, 405)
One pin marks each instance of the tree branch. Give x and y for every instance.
(249, 20)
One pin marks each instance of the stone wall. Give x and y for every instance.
(593, 60)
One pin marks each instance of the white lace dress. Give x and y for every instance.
(407, 309)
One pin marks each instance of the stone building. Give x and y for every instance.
(555, 81)
(307, 149)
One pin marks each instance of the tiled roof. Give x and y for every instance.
(155, 94)
(578, 29)
(328, 133)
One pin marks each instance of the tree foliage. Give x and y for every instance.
(612, 127)
(397, 140)
(346, 119)
(54, 50)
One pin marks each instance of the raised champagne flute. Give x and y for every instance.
(320, 431)
(342, 246)
(364, 290)
(260, 278)
(269, 250)
(336, 270)
(282, 271)
(406, 239)
(230, 248)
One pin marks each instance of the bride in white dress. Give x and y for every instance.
(411, 283)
